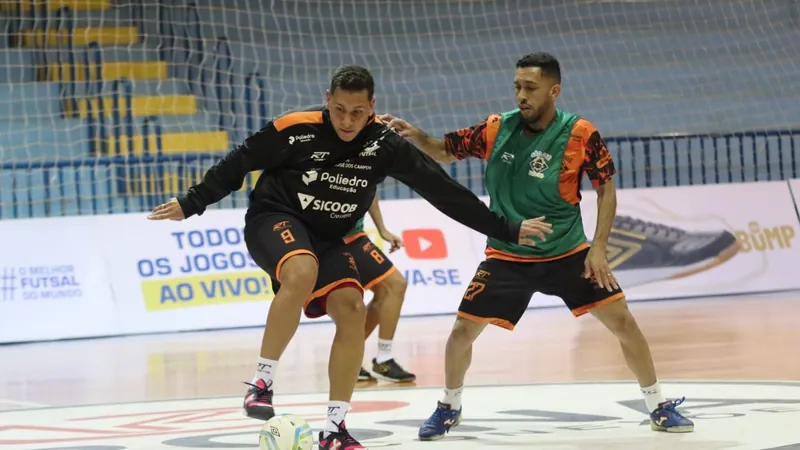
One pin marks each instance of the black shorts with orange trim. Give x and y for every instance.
(274, 238)
(501, 291)
(373, 265)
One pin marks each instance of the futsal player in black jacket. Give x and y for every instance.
(321, 168)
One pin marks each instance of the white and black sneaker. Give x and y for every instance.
(391, 371)
(364, 375)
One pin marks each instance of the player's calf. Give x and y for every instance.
(297, 279)
(390, 294)
(346, 308)
(663, 416)
(386, 306)
(458, 356)
(371, 322)
(458, 352)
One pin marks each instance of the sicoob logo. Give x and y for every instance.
(338, 210)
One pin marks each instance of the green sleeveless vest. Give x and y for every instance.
(522, 177)
(357, 228)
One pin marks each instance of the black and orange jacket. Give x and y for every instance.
(329, 184)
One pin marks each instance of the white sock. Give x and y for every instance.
(452, 397)
(384, 351)
(652, 396)
(336, 412)
(266, 371)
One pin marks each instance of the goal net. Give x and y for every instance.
(113, 105)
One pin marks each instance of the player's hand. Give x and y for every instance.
(596, 267)
(386, 118)
(168, 211)
(534, 228)
(400, 126)
(393, 239)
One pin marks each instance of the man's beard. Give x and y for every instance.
(536, 115)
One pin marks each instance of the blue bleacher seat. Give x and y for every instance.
(634, 69)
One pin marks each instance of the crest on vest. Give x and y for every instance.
(538, 164)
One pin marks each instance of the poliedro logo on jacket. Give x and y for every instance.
(337, 182)
(300, 138)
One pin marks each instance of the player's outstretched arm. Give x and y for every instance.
(377, 219)
(435, 148)
(429, 180)
(261, 151)
(475, 141)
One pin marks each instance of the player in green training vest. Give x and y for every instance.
(535, 158)
(388, 286)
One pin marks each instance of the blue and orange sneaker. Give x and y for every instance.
(440, 422)
(667, 418)
(341, 440)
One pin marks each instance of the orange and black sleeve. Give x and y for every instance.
(475, 141)
(597, 162)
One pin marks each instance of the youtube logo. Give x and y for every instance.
(425, 243)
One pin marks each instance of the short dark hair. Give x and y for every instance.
(546, 62)
(353, 78)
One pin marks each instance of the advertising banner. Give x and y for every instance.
(697, 240)
(122, 274)
(53, 281)
(198, 274)
(794, 187)
(438, 259)
(187, 275)
(702, 240)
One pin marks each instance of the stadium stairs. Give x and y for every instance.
(81, 82)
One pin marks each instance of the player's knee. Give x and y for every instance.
(346, 306)
(394, 286)
(624, 324)
(397, 283)
(376, 303)
(617, 318)
(464, 332)
(299, 275)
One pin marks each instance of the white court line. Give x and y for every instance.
(21, 403)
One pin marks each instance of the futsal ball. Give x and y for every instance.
(286, 432)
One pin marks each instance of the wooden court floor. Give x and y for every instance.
(738, 338)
